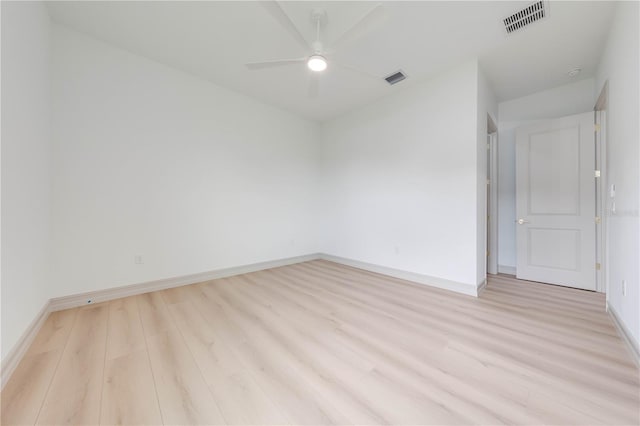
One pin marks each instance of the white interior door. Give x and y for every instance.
(555, 202)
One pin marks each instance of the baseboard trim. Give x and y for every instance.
(504, 269)
(624, 332)
(458, 287)
(15, 355)
(81, 299)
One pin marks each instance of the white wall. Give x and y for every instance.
(149, 160)
(26, 158)
(487, 105)
(561, 101)
(619, 65)
(400, 179)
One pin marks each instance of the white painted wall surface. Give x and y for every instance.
(619, 65)
(487, 105)
(26, 167)
(558, 102)
(400, 179)
(152, 161)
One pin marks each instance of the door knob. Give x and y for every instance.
(521, 221)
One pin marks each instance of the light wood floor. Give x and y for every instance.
(320, 343)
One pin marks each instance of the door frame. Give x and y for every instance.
(600, 119)
(492, 201)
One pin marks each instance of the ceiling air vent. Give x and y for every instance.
(396, 77)
(530, 14)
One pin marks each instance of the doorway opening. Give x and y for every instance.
(533, 111)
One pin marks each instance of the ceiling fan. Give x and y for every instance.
(320, 57)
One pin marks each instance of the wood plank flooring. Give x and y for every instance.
(321, 343)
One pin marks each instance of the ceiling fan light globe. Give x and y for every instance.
(317, 63)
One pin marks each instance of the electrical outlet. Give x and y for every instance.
(624, 287)
(137, 259)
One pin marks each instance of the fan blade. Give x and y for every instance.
(275, 63)
(369, 21)
(358, 70)
(314, 80)
(275, 10)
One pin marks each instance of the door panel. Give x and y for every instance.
(554, 172)
(555, 202)
(554, 248)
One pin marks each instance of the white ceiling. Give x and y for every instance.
(214, 40)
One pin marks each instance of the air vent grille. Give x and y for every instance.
(396, 77)
(526, 16)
